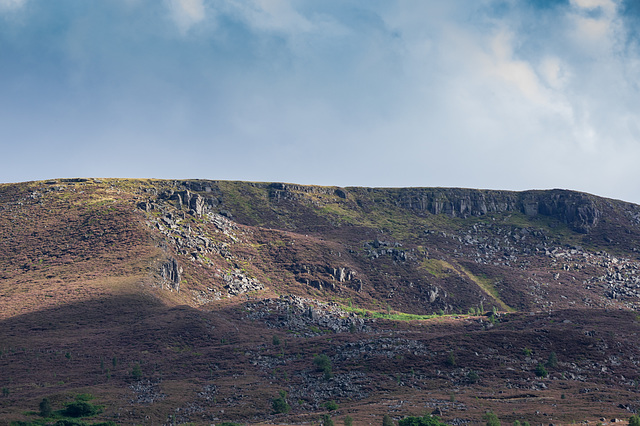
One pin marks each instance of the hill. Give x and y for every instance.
(167, 302)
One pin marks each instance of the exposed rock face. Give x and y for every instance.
(171, 274)
(579, 211)
(326, 276)
(195, 203)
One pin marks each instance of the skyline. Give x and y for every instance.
(509, 95)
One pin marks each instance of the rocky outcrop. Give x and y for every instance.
(237, 283)
(326, 276)
(305, 317)
(171, 273)
(377, 248)
(194, 203)
(146, 392)
(578, 210)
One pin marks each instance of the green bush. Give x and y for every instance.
(330, 405)
(386, 421)
(323, 363)
(67, 422)
(451, 360)
(45, 408)
(472, 377)
(280, 404)
(491, 419)
(421, 421)
(634, 420)
(541, 371)
(326, 420)
(80, 409)
(552, 362)
(136, 372)
(348, 421)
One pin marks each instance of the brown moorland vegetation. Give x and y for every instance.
(174, 302)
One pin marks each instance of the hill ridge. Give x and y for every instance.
(387, 282)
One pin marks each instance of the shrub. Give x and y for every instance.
(326, 420)
(136, 372)
(552, 362)
(634, 420)
(280, 404)
(386, 421)
(323, 363)
(491, 419)
(473, 377)
(527, 352)
(276, 340)
(421, 421)
(541, 371)
(451, 360)
(80, 409)
(331, 405)
(67, 422)
(348, 421)
(45, 408)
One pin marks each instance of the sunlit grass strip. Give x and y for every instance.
(396, 316)
(487, 286)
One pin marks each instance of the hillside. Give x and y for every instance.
(199, 301)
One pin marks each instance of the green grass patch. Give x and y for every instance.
(438, 268)
(394, 315)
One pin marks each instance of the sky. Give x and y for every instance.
(495, 94)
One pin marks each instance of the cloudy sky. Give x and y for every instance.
(501, 94)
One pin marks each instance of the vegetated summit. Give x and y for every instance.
(165, 302)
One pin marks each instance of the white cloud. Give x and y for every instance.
(187, 13)
(607, 5)
(554, 72)
(12, 4)
(597, 31)
(276, 15)
(591, 29)
(504, 70)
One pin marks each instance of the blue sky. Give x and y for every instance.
(501, 94)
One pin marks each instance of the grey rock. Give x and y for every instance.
(171, 274)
